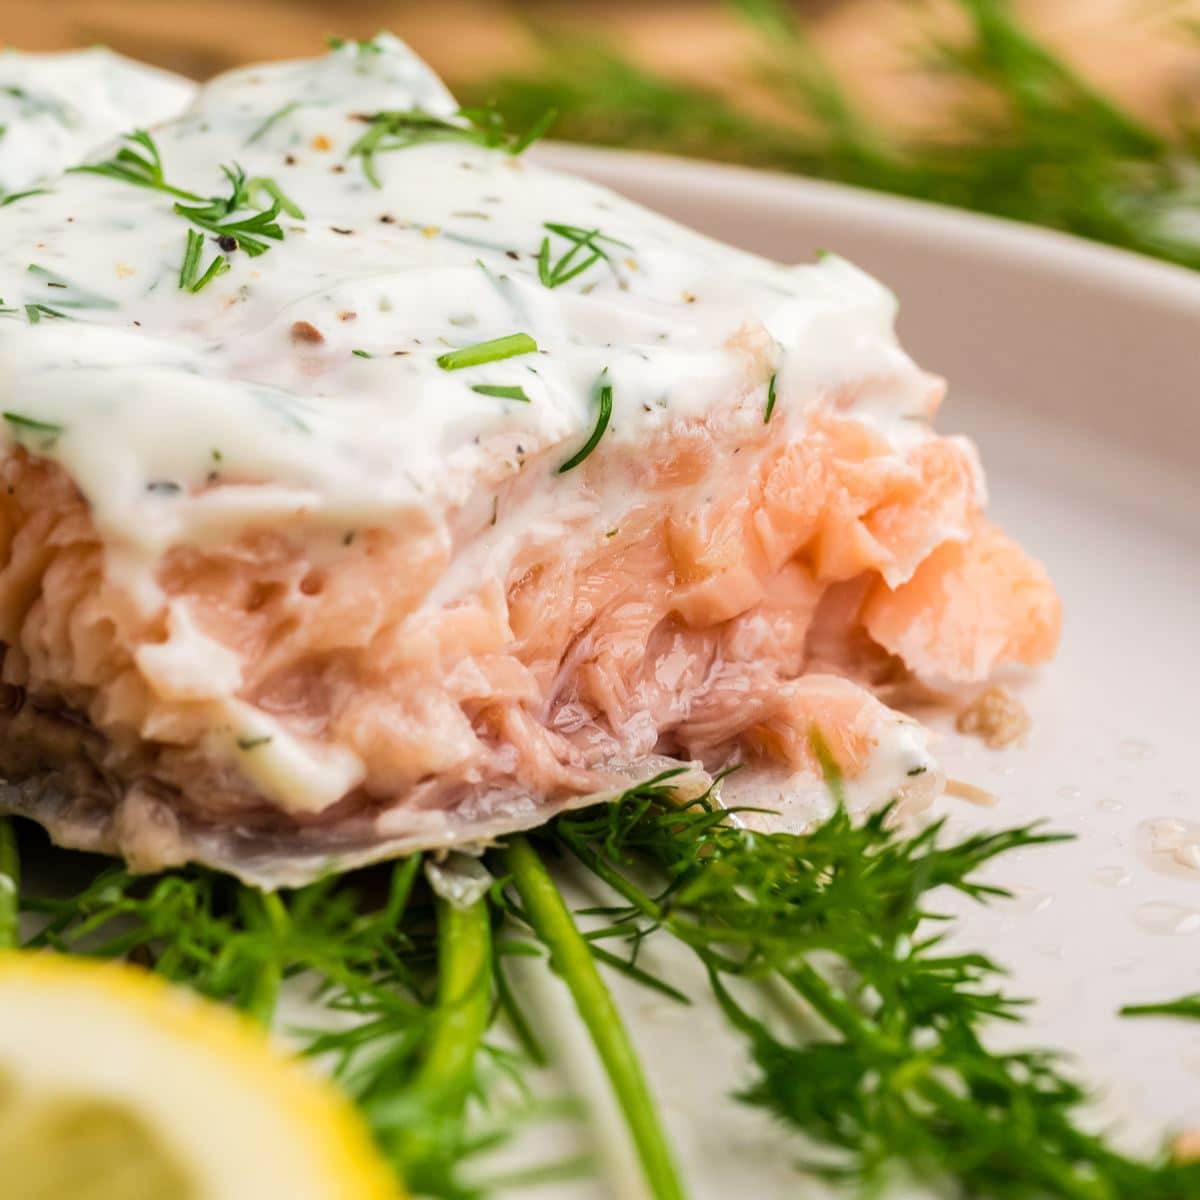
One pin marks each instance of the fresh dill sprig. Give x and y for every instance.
(1033, 140)
(584, 251)
(603, 416)
(398, 129)
(138, 163)
(897, 1078)
(218, 216)
(407, 978)
(572, 957)
(511, 346)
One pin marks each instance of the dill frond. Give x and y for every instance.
(899, 1080)
(1032, 140)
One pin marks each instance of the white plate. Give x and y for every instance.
(1078, 371)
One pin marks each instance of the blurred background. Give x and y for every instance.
(1078, 114)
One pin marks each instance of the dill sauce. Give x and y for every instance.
(55, 108)
(301, 388)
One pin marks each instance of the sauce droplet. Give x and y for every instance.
(1158, 916)
(1134, 749)
(1170, 846)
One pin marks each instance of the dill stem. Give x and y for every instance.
(10, 879)
(571, 956)
(463, 1007)
(264, 993)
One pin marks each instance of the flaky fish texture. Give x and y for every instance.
(284, 588)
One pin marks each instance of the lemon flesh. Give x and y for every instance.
(116, 1086)
(79, 1148)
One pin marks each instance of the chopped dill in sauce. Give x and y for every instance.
(770, 400)
(398, 129)
(501, 391)
(602, 419)
(584, 252)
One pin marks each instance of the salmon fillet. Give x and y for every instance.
(284, 588)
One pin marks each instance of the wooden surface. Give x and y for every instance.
(1137, 48)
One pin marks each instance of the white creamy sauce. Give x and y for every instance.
(184, 417)
(55, 108)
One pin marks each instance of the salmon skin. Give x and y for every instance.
(393, 493)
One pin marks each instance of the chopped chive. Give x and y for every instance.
(770, 400)
(606, 395)
(486, 352)
(218, 266)
(191, 259)
(501, 392)
(362, 354)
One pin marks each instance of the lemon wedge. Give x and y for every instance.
(117, 1086)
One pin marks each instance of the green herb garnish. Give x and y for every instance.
(486, 352)
(1185, 1006)
(584, 242)
(398, 129)
(572, 957)
(10, 886)
(35, 104)
(48, 431)
(602, 419)
(235, 233)
(886, 1071)
(35, 312)
(770, 400)
(189, 276)
(13, 197)
(1032, 141)
(266, 184)
(68, 294)
(362, 354)
(501, 391)
(138, 163)
(279, 114)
